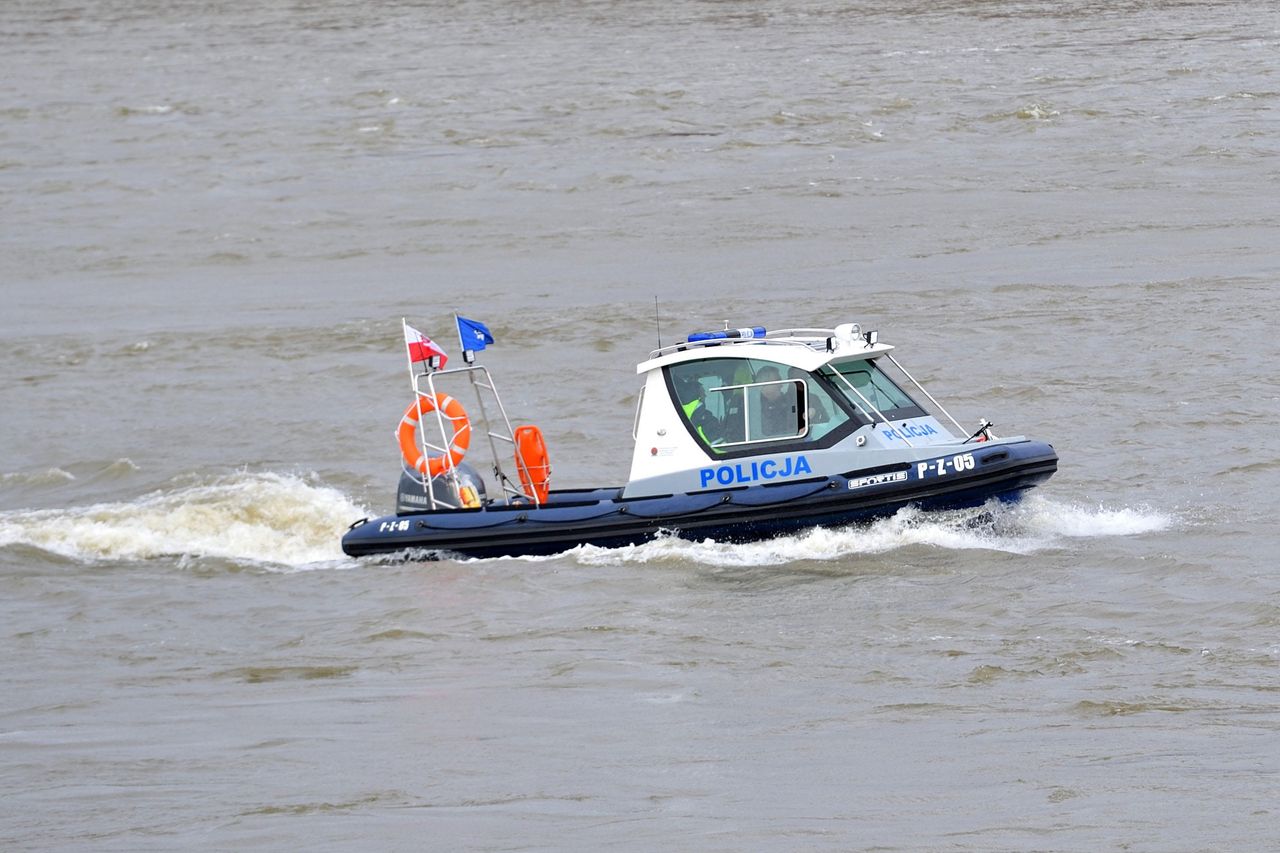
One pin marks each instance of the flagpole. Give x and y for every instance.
(404, 335)
(408, 355)
(468, 354)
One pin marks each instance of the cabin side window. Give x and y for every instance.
(868, 389)
(735, 404)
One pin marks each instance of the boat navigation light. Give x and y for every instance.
(871, 337)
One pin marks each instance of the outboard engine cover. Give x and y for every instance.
(411, 497)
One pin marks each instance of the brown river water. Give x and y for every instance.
(1065, 215)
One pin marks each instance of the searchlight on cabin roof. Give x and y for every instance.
(848, 335)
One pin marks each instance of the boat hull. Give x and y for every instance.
(967, 476)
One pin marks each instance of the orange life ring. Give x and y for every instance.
(411, 450)
(531, 462)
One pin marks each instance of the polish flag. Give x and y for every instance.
(421, 347)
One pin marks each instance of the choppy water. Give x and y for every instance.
(1065, 214)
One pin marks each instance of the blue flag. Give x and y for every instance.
(473, 334)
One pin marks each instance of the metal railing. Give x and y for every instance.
(482, 385)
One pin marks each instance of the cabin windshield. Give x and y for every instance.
(738, 404)
(863, 383)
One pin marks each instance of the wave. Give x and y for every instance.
(50, 477)
(1035, 524)
(58, 476)
(255, 518)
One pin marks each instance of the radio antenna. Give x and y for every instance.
(656, 321)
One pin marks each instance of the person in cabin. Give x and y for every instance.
(707, 425)
(818, 413)
(778, 415)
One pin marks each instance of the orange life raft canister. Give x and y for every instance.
(411, 450)
(531, 462)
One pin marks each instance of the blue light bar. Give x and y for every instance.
(727, 334)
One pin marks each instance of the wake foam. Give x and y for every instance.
(1035, 524)
(287, 521)
(1067, 520)
(260, 518)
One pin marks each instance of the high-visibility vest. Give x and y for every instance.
(689, 409)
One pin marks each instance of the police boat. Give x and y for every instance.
(740, 434)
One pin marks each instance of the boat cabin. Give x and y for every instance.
(747, 407)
